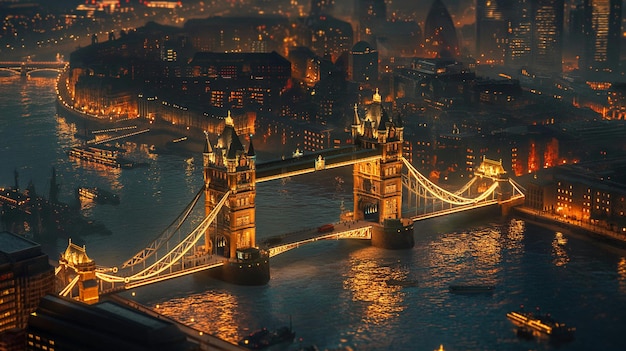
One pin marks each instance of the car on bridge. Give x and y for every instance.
(326, 228)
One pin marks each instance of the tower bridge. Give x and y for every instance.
(225, 242)
(25, 68)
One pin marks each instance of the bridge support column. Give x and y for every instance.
(394, 234)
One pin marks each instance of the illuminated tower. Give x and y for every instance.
(229, 167)
(378, 184)
(440, 38)
(601, 30)
(547, 16)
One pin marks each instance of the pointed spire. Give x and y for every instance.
(357, 120)
(399, 121)
(229, 120)
(251, 148)
(207, 148)
(377, 97)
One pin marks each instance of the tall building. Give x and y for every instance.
(65, 324)
(440, 38)
(364, 63)
(547, 45)
(370, 14)
(25, 277)
(491, 32)
(602, 30)
(519, 48)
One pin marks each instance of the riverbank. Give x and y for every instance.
(557, 223)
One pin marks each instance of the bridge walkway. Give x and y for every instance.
(332, 158)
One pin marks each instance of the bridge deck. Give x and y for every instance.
(333, 158)
(342, 230)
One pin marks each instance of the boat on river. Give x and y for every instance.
(98, 195)
(542, 323)
(263, 338)
(103, 156)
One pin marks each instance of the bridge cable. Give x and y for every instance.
(165, 236)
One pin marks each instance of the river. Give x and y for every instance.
(334, 292)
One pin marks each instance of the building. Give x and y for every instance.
(25, 277)
(519, 40)
(65, 324)
(364, 63)
(602, 21)
(491, 32)
(547, 43)
(440, 38)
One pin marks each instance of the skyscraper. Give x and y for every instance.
(364, 63)
(601, 29)
(440, 38)
(491, 32)
(547, 45)
(370, 14)
(519, 44)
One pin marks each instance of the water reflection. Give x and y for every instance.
(211, 311)
(621, 274)
(559, 254)
(367, 281)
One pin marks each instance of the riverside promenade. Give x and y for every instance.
(546, 219)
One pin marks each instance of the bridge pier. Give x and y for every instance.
(251, 271)
(394, 234)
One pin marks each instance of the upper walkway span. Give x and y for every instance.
(326, 159)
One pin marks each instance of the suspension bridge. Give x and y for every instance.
(223, 236)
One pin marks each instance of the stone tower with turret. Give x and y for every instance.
(228, 166)
(378, 184)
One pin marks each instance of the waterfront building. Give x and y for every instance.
(25, 277)
(592, 192)
(440, 39)
(65, 324)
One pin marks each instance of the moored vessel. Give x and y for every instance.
(98, 195)
(543, 323)
(103, 156)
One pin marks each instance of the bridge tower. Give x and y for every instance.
(75, 262)
(378, 184)
(229, 167)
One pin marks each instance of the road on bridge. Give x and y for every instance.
(312, 234)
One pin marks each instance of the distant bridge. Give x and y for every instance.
(25, 68)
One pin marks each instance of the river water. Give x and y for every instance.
(334, 292)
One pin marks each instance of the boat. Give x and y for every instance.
(98, 195)
(542, 323)
(103, 156)
(471, 288)
(263, 338)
